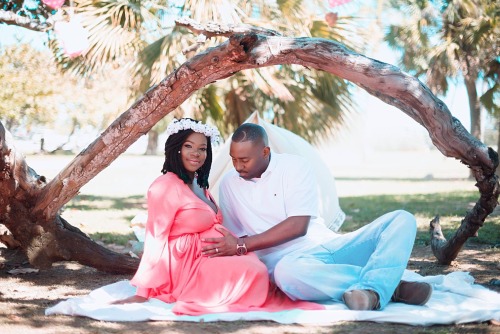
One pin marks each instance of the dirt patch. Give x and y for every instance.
(24, 298)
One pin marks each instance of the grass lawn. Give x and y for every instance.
(451, 208)
(116, 214)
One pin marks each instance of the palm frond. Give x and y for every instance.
(114, 28)
(221, 11)
(491, 100)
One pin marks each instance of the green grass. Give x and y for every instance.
(451, 208)
(92, 202)
(113, 238)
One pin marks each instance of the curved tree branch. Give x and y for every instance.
(210, 30)
(249, 50)
(12, 18)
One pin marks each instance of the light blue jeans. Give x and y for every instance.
(374, 257)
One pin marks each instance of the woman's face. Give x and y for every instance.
(194, 152)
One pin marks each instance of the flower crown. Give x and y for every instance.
(197, 126)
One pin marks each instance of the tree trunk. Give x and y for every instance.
(474, 106)
(29, 206)
(45, 239)
(152, 147)
(474, 109)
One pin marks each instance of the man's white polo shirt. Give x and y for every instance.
(287, 188)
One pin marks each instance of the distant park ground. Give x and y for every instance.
(131, 174)
(114, 197)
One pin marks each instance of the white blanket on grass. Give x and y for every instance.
(455, 300)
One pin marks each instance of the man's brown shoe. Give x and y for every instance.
(414, 293)
(361, 300)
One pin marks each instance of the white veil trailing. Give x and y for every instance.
(284, 141)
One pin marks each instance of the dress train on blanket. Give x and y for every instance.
(455, 300)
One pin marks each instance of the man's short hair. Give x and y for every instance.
(250, 132)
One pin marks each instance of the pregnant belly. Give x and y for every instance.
(211, 233)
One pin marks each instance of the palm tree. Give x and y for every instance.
(451, 39)
(143, 36)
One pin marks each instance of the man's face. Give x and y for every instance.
(249, 159)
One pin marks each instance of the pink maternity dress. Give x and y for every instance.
(173, 269)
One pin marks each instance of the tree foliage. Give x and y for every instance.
(30, 81)
(30, 206)
(146, 40)
(141, 36)
(36, 93)
(448, 40)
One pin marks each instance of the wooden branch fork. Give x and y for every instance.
(29, 206)
(9, 17)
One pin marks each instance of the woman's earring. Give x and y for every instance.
(179, 152)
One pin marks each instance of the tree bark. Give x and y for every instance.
(38, 203)
(45, 241)
(12, 18)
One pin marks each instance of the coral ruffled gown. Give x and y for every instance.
(173, 269)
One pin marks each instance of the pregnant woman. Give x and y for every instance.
(181, 212)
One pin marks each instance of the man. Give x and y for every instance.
(270, 201)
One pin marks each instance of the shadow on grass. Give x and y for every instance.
(361, 210)
(451, 208)
(69, 274)
(482, 267)
(30, 313)
(91, 202)
(113, 237)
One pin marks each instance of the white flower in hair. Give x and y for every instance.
(196, 126)
(199, 127)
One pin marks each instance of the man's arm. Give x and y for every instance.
(289, 229)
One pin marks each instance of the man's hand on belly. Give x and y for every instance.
(224, 246)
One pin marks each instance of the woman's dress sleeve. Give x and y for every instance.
(163, 204)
